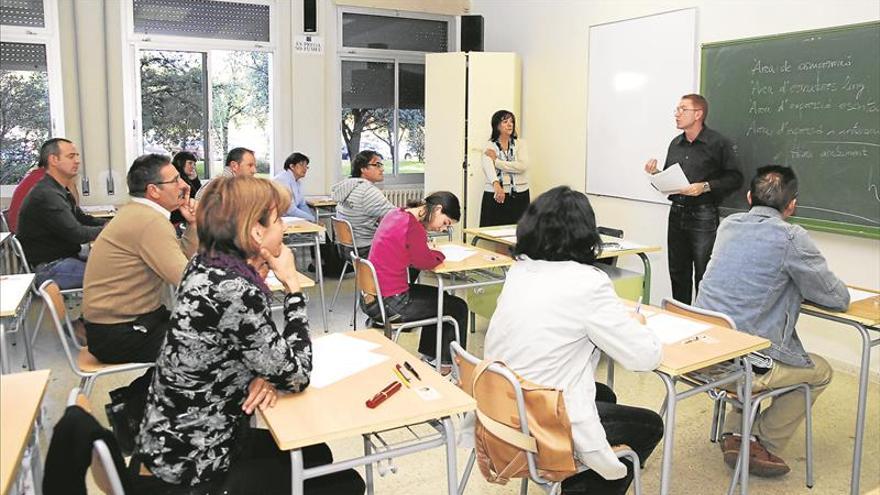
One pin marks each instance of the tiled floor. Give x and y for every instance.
(698, 466)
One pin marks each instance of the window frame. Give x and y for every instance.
(47, 36)
(398, 57)
(134, 42)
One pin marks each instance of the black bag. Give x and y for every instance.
(331, 260)
(126, 410)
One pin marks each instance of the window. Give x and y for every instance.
(214, 95)
(382, 64)
(30, 93)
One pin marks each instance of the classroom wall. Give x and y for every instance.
(552, 38)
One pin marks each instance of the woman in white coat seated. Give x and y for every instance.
(554, 316)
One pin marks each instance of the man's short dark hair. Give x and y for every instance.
(293, 159)
(236, 155)
(559, 226)
(700, 102)
(51, 147)
(362, 161)
(145, 171)
(774, 186)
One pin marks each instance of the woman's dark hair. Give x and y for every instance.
(180, 159)
(447, 201)
(497, 117)
(362, 161)
(293, 159)
(559, 226)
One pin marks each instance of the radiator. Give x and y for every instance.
(399, 196)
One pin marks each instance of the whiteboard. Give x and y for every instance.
(638, 70)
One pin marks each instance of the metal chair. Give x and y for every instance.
(462, 358)
(104, 472)
(84, 364)
(369, 292)
(343, 236)
(723, 397)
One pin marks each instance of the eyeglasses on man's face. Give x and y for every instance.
(377, 165)
(172, 181)
(679, 110)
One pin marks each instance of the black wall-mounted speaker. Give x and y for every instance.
(310, 16)
(471, 33)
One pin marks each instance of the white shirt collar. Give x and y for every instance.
(152, 204)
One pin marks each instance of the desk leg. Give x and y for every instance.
(28, 344)
(451, 464)
(297, 478)
(319, 272)
(36, 464)
(439, 322)
(746, 425)
(668, 433)
(4, 352)
(646, 279)
(368, 467)
(863, 403)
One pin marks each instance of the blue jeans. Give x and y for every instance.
(691, 236)
(68, 273)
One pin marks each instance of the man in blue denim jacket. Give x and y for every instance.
(762, 268)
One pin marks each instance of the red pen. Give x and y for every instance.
(386, 392)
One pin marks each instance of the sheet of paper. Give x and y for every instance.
(336, 357)
(505, 232)
(292, 220)
(858, 295)
(99, 208)
(319, 198)
(670, 180)
(670, 329)
(456, 253)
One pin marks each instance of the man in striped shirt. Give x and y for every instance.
(359, 201)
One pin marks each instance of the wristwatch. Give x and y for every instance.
(706, 187)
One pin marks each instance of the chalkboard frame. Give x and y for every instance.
(834, 227)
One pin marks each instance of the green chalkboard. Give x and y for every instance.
(809, 100)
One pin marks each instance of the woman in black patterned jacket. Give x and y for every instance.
(224, 357)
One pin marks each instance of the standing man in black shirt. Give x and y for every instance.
(709, 162)
(51, 227)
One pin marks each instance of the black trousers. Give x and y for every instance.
(138, 341)
(690, 239)
(639, 428)
(507, 213)
(259, 467)
(419, 303)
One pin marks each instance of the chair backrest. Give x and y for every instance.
(4, 225)
(610, 232)
(103, 469)
(343, 233)
(712, 317)
(496, 378)
(368, 283)
(54, 302)
(18, 252)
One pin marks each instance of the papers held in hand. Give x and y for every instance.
(670, 181)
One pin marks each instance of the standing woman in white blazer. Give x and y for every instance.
(505, 163)
(556, 315)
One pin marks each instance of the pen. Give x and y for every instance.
(692, 339)
(639, 305)
(400, 375)
(412, 370)
(386, 392)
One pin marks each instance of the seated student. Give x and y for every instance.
(239, 162)
(555, 313)
(360, 202)
(762, 268)
(224, 357)
(296, 166)
(31, 178)
(402, 242)
(51, 227)
(185, 163)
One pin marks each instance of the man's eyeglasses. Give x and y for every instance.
(172, 181)
(683, 110)
(377, 165)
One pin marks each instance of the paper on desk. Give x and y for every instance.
(293, 220)
(670, 329)
(858, 295)
(336, 357)
(97, 208)
(670, 180)
(456, 253)
(505, 232)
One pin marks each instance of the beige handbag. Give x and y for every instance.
(500, 444)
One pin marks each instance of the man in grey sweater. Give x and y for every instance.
(359, 201)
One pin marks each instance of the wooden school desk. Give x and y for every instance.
(339, 411)
(502, 235)
(480, 269)
(864, 316)
(715, 345)
(14, 293)
(20, 398)
(307, 234)
(99, 211)
(275, 285)
(323, 205)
